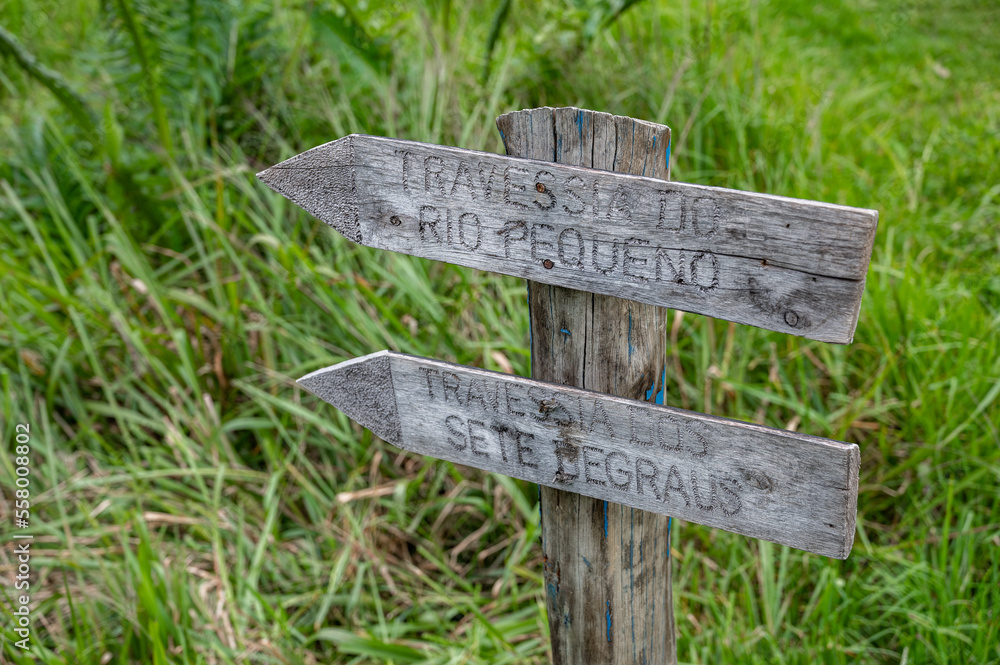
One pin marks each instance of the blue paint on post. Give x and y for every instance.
(670, 521)
(607, 614)
(585, 561)
(631, 349)
(566, 332)
(605, 519)
(661, 395)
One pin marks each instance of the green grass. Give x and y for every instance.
(191, 505)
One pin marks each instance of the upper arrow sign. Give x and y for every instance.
(784, 264)
(785, 487)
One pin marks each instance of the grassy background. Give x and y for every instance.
(191, 505)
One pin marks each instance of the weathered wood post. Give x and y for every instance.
(607, 566)
(583, 204)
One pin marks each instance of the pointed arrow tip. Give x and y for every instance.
(321, 181)
(361, 388)
(266, 176)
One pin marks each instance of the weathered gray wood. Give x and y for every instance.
(784, 264)
(786, 487)
(605, 605)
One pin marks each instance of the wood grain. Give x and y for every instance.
(781, 486)
(605, 605)
(784, 264)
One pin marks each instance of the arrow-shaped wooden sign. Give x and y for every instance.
(784, 264)
(767, 483)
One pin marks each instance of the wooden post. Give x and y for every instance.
(583, 238)
(607, 566)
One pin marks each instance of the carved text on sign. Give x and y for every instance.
(766, 483)
(783, 264)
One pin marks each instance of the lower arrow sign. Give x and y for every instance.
(767, 483)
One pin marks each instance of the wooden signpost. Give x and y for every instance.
(609, 345)
(582, 209)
